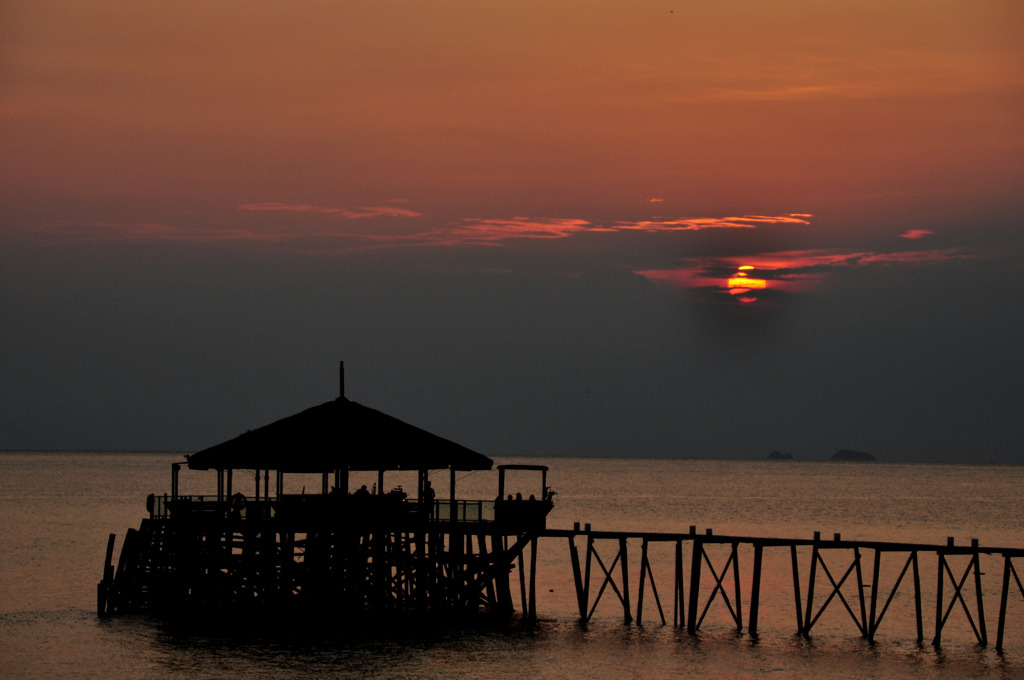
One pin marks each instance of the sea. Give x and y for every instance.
(58, 509)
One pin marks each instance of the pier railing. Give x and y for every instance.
(246, 507)
(517, 512)
(842, 573)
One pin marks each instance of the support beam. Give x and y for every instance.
(755, 590)
(695, 564)
(678, 585)
(626, 615)
(577, 578)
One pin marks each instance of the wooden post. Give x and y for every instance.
(736, 583)
(917, 600)
(533, 579)
(627, 616)
(875, 571)
(491, 558)
(1002, 602)
(499, 550)
(523, 603)
(103, 588)
(938, 602)
(577, 578)
(452, 514)
(978, 593)
(586, 574)
(755, 589)
(810, 586)
(678, 585)
(796, 590)
(860, 589)
(695, 566)
(640, 590)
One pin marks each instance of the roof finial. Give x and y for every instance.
(341, 380)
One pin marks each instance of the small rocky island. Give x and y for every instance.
(779, 455)
(847, 454)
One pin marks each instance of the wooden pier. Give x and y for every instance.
(348, 553)
(345, 555)
(345, 552)
(849, 572)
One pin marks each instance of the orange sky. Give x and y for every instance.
(556, 110)
(482, 163)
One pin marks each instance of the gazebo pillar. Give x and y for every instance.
(451, 497)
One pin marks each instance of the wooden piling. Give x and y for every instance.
(623, 554)
(695, 567)
(532, 613)
(735, 557)
(978, 594)
(678, 585)
(796, 589)
(643, 578)
(270, 561)
(577, 578)
(917, 599)
(755, 590)
(807, 620)
(1008, 570)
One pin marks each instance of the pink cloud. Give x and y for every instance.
(791, 271)
(699, 223)
(359, 213)
(466, 232)
(491, 231)
(916, 234)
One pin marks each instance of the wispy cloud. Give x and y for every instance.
(376, 231)
(361, 212)
(699, 223)
(791, 271)
(915, 234)
(494, 231)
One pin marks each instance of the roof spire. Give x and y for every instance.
(341, 380)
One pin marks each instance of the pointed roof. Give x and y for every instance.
(338, 435)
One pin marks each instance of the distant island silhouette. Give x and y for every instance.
(847, 454)
(779, 455)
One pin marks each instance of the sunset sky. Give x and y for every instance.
(671, 228)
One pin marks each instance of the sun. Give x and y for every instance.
(743, 286)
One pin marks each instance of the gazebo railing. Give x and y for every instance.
(248, 507)
(465, 511)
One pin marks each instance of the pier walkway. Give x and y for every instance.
(845, 574)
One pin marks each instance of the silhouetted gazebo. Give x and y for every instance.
(338, 436)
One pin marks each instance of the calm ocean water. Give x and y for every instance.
(58, 509)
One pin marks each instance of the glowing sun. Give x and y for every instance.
(742, 285)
